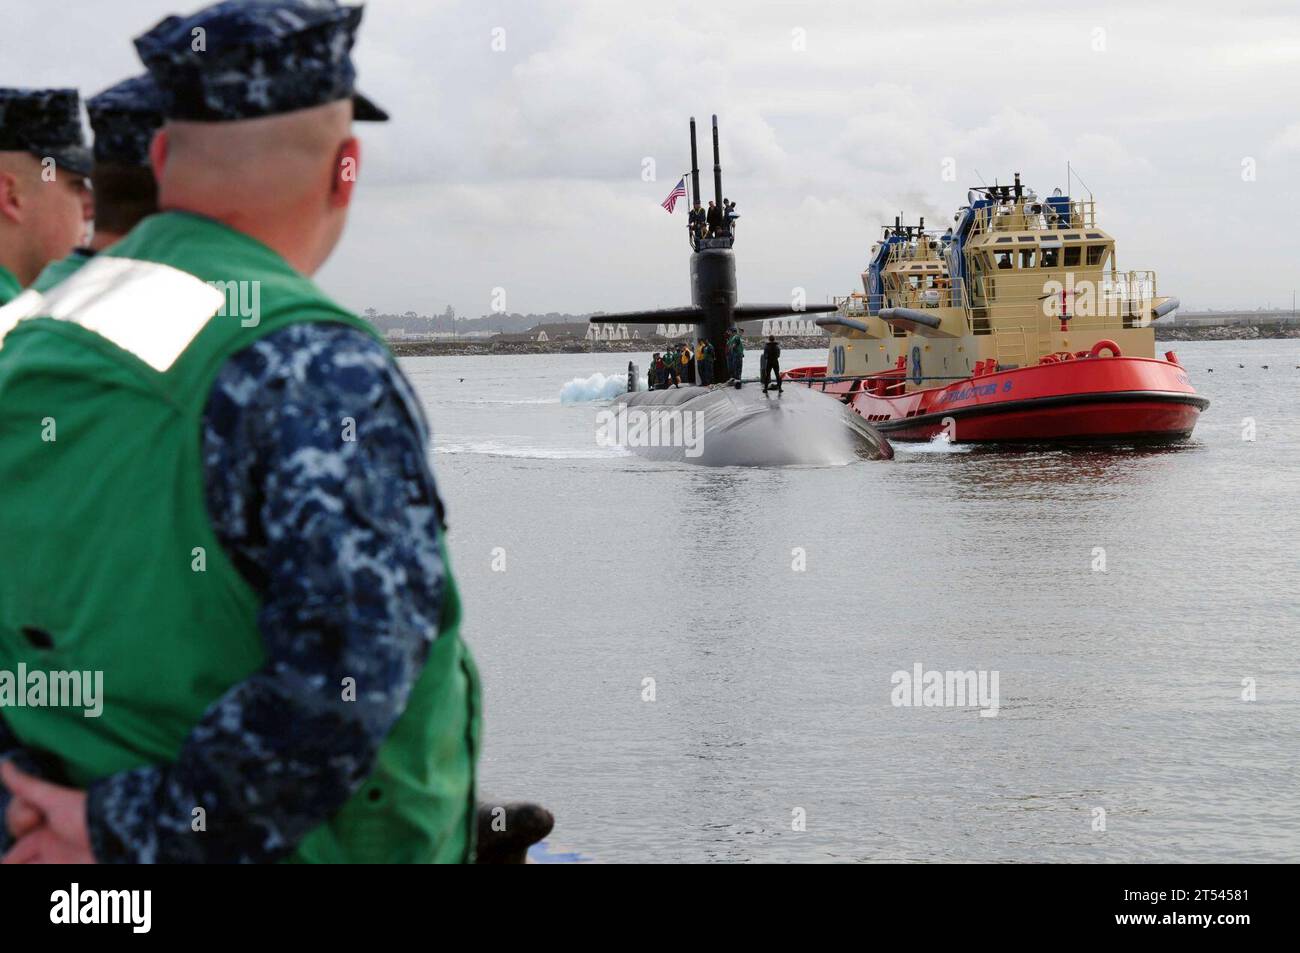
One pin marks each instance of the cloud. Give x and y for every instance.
(520, 167)
(1286, 144)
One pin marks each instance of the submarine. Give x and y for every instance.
(730, 424)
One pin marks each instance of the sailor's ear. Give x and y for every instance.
(347, 166)
(158, 153)
(10, 202)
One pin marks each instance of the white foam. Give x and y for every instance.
(478, 401)
(595, 387)
(491, 449)
(939, 443)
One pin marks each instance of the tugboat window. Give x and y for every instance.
(1072, 256)
(1096, 253)
(1027, 258)
(1049, 257)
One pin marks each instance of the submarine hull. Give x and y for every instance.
(726, 426)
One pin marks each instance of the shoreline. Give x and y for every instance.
(400, 348)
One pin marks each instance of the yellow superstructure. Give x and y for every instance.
(1016, 279)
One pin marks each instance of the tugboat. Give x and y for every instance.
(1013, 326)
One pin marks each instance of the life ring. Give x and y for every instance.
(1105, 345)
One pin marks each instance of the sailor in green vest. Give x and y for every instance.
(217, 496)
(705, 362)
(735, 354)
(44, 197)
(123, 119)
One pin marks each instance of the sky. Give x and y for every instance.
(532, 141)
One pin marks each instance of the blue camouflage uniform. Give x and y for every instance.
(302, 59)
(47, 124)
(284, 496)
(124, 118)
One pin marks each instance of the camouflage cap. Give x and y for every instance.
(45, 123)
(125, 118)
(242, 59)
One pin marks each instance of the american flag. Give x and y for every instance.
(678, 192)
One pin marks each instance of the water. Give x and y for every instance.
(1119, 690)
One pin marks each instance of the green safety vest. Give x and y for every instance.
(103, 515)
(56, 271)
(9, 286)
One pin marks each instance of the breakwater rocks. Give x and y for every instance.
(637, 346)
(1226, 332)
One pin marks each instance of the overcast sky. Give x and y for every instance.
(522, 168)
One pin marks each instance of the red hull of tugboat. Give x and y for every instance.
(1102, 398)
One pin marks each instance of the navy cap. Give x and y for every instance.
(125, 118)
(243, 59)
(45, 123)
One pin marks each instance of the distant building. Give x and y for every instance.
(609, 332)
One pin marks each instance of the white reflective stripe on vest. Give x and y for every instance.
(154, 311)
(24, 306)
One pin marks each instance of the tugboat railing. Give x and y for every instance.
(1121, 298)
(1002, 218)
(947, 293)
(910, 253)
(1113, 295)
